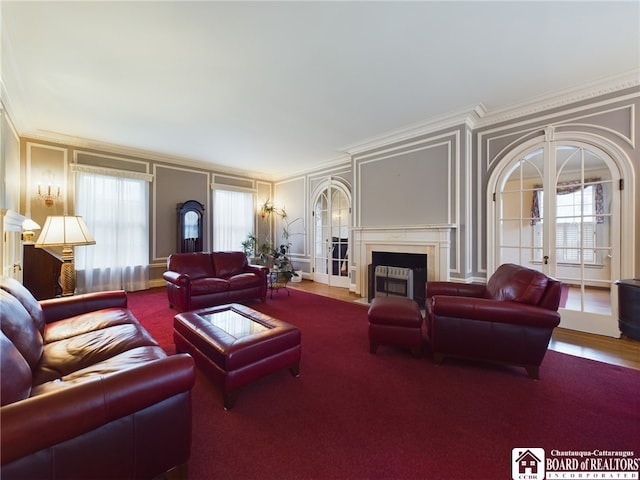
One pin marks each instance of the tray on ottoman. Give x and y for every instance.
(235, 345)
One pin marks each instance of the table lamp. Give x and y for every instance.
(28, 227)
(66, 232)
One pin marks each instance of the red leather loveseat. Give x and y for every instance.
(86, 392)
(508, 320)
(205, 279)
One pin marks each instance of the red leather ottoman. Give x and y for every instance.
(396, 321)
(235, 345)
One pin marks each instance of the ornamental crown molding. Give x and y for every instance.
(477, 116)
(137, 153)
(112, 172)
(465, 116)
(561, 98)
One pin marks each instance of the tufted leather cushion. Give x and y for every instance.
(204, 286)
(123, 361)
(196, 265)
(86, 323)
(81, 351)
(244, 280)
(229, 263)
(516, 283)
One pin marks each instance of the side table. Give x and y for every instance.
(277, 280)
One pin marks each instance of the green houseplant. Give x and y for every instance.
(265, 252)
(282, 263)
(280, 254)
(257, 252)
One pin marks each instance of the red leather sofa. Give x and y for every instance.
(205, 279)
(86, 392)
(509, 320)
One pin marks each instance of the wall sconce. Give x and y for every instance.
(49, 196)
(28, 227)
(65, 232)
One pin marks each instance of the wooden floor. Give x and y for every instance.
(618, 351)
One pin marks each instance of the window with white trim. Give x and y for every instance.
(233, 218)
(575, 226)
(115, 207)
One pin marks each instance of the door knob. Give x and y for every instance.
(546, 259)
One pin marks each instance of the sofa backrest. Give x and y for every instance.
(16, 378)
(26, 298)
(196, 265)
(19, 328)
(21, 349)
(516, 283)
(229, 263)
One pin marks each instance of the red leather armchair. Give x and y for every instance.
(509, 320)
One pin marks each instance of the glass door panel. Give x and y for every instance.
(321, 247)
(332, 217)
(519, 240)
(555, 212)
(583, 241)
(339, 233)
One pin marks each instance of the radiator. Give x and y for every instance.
(395, 281)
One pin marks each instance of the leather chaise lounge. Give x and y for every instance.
(206, 279)
(509, 320)
(86, 392)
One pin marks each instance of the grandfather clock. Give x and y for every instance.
(190, 226)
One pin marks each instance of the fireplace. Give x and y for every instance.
(405, 275)
(432, 241)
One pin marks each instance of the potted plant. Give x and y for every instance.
(282, 264)
(257, 252)
(280, 254)
(266, 253)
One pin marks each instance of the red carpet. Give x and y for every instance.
(354, 415)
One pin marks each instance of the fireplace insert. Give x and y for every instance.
(416, 262)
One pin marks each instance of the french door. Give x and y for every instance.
(331, 217)
(557, 209)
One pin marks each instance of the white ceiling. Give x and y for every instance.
(281, 87)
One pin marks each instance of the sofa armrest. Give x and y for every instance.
(177, 278)
(55, 309)
(45, 420)
(494, 311)
(257, 269)
(454, 289)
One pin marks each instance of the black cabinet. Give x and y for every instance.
(41, 273)
(629, 307)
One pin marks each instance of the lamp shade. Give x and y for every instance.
(29, 224)
(61, 231)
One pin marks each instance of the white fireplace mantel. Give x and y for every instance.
(432, 240)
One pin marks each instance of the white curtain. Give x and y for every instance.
(116, 210)
(233, 219)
